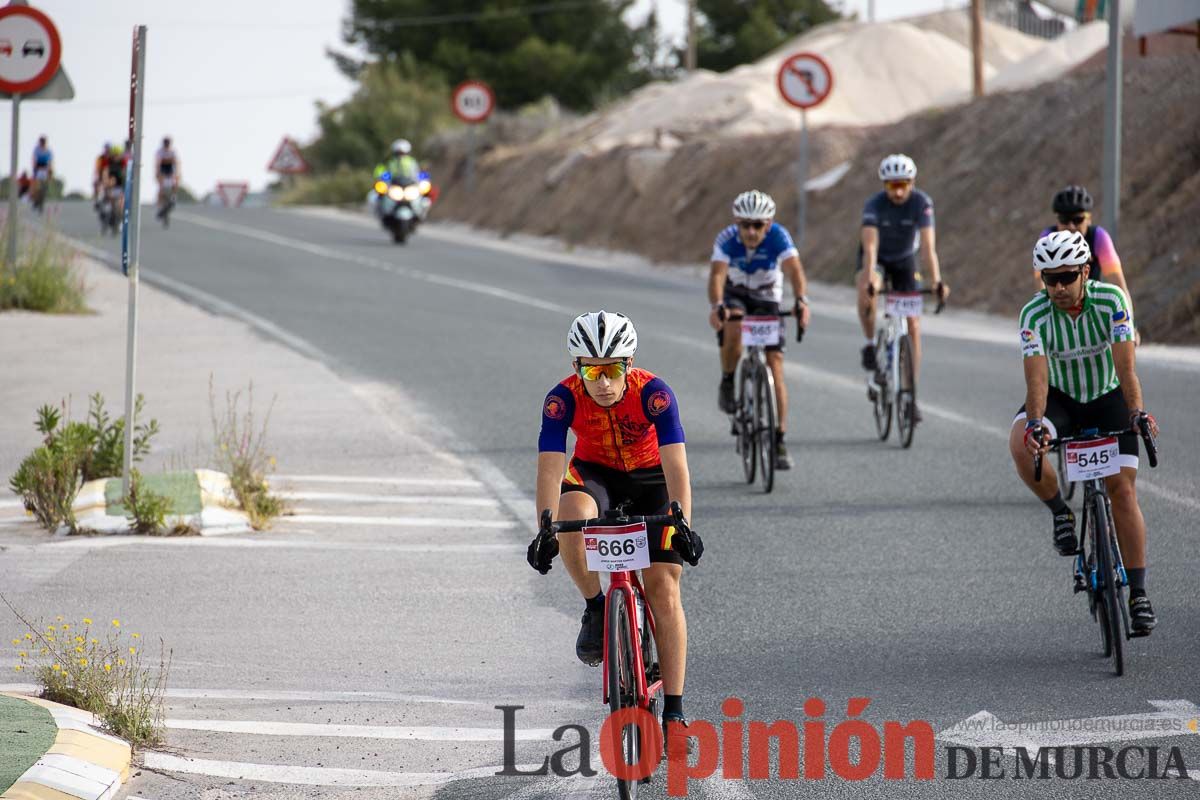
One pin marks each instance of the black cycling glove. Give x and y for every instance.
(542, 551)
(688, 544)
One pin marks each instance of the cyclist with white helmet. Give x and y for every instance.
(1077, 343)
(629, 446)
(897, 224)
(749, 260)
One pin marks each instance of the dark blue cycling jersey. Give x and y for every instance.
(899, 225)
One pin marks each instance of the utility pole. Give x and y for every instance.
(870, 10)
(977, 47)
(690, 58)
(1111, 168)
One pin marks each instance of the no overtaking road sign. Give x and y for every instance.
(30, 49)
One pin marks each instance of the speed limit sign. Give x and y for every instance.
(473, 101)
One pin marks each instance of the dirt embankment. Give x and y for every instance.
(991, 167)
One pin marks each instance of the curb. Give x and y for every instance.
(219, 513)
(82, 763)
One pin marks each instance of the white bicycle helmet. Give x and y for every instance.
(897, 167)
(402, 146)
(602, 334)
(753, 205)
(1061, 249)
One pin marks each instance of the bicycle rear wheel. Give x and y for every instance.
(764, 426)
(883, 397)
(1110, 612)
(747, 442)
(906, 396)
(622, 686)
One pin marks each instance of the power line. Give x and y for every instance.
(476, 16)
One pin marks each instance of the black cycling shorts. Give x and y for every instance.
(1066, 416)
(645, 490)
(901, 274)
(739, 298)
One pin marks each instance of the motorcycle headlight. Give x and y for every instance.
(425, 186)
(412, 192)
(381, 187)
(396, 193)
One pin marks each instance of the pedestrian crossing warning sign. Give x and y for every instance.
(287, 159)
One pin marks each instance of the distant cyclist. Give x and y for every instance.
(629, 446)
(1077, 344)
(100, 171)
(167, 172)
(114, 178)
(42, 172)
(749, 260)
(1072, 206)
(897, 224)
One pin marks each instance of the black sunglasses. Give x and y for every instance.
(754, 225)
(1061, 278)
(1067, 219)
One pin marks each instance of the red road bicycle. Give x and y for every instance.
(632, 678)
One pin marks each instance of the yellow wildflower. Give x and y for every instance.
(116, 623)
(135, 636)
(23, 654)
(29, 636)
(45, 651)
(66, 626)
(95, 640)
(56, 668)
(108, 667)
(83, 662)
(87, 621)
(51, 628)
(79, 639)
(16, 642)
(78, 649)
(59, 617)
(120, 662)
(133, 651)
(17, 668)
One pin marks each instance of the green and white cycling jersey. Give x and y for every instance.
(1079, 350)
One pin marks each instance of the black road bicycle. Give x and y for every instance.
(1099, 571)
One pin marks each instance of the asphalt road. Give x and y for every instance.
(922, 579)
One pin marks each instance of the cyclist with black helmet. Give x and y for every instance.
(1072, 206)
(629, 446)
(749, 261)
(1077, 345)
(897, 225)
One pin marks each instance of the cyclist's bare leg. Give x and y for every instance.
(1127, 516)
(775, 362)
(577, 505)
(1024, 464)
(914, 334)
(661, 582)
(866, 302)
(731, 346)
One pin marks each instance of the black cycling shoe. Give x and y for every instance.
(1064, 533)
(868, 358)
(1141, 615)
(916, 411)
(782, 459)
(725, 395)
(589, 647)
(680, 741)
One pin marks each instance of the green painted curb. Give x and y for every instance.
(183, 489)
(27, 731)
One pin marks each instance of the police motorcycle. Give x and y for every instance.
(402, 203)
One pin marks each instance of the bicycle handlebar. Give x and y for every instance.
(1143, 430)
(615, 517)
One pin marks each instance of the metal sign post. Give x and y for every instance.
(473, 102)
(804, 81)
(1111, 168)
(13, 207)
(131, 237)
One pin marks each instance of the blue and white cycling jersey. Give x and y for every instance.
(756, 270)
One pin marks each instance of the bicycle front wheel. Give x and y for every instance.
(747, 442)
(764, 426)
(1110, 612)
(883, 396)
(906, 397)
(622, 685)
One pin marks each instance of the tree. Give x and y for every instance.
(734, 32)
(574, 50)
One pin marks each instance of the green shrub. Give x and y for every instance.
(147, 510)
(43, 279)
(344, 186)
(70, 454)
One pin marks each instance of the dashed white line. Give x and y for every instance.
(397, 499)
(402, 732)
(386, 481)
(405, 522)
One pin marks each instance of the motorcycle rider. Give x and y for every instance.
(401, 164)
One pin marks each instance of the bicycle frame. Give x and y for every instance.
(893, 329)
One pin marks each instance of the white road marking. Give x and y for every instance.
(402, 732)
(397, 499)
(313, 776)
(280, 695)
(12, 504)
(387, 481)
(405, 522)
(105, 542)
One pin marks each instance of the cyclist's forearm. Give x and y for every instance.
(716, 282)
(550, 469)
(1124, 362)
(794, 270)
(679, 480)
(932, 265)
